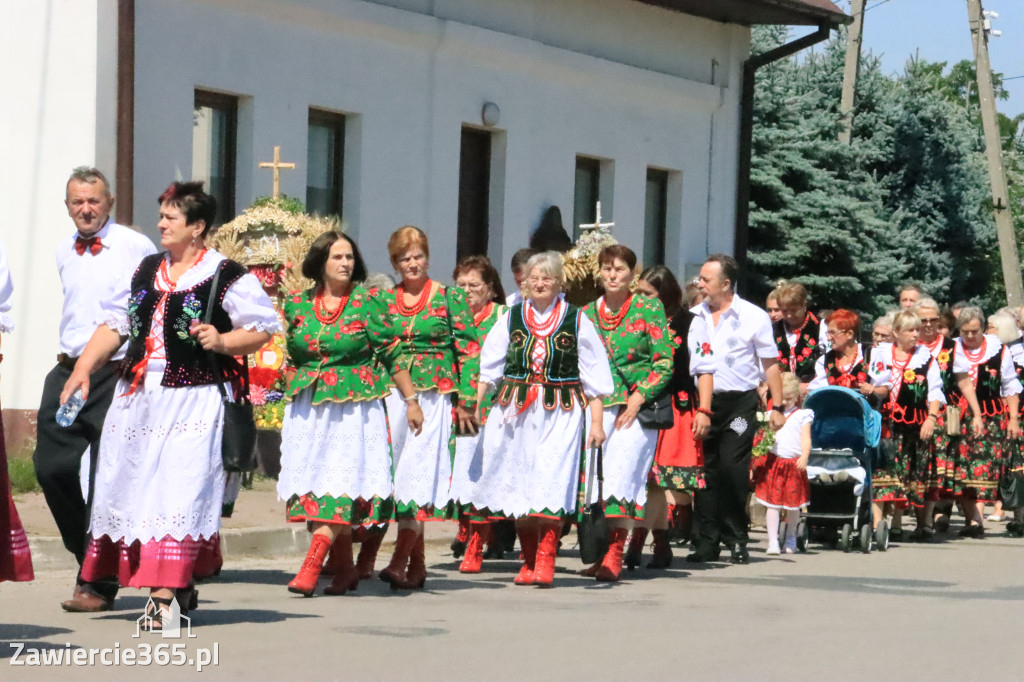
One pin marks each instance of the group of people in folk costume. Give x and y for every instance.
(425, 401)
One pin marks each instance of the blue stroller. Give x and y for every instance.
(845, 450)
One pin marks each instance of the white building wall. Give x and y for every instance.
(59, 75)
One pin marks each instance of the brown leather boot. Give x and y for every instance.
(305, 582)
(611, 567)
(634, 553)
(83, 601)
(528, 541)
(662, 550)
(547, 550)
(368, 554)
(394, 573)
(416, 576)
(474, 559)
(346, 577)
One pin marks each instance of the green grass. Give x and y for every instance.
(23, 475)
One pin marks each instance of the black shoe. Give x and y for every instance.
(702, 557)
(941, 523)
(740, 554)
(1015, 529)
(458, 548)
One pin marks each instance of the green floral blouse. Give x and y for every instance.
(640, 349)
(485, 325)
(343, 361)
(435, 353)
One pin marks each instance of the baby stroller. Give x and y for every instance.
(844, 440)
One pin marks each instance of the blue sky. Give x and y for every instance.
(938, 30)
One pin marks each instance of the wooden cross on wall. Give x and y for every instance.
(597, 222)
(277, 165)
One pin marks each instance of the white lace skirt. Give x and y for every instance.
(530, 462)
(423, 463)
(627, 458)
(334, 449)
(467, 468)
(160, 471)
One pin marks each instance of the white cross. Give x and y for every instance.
(597, 224)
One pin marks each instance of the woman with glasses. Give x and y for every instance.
(848, 363)
(548, 360)
(479, 279)
(990, 372)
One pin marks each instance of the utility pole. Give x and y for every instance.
(993, 153)
(851, 69)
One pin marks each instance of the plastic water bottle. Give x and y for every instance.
(69, 411)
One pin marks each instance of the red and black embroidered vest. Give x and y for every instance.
(559, 378)
(801, 358)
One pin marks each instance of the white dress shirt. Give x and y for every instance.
(89, 281)
(6, 293)
(595, 372)
(740, 341)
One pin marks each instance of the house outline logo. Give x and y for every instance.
(170, 624)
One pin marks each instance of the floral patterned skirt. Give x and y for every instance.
(981, 460)
(946, 450)
(785, 486)
(922, 481)
(679, 457)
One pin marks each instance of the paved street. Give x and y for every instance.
(917, 612)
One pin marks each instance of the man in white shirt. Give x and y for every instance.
(91, 263)
(519, 259)
(742, 346)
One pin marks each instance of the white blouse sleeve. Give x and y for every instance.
(819, 380)
(961, 365)
(934, 376)
(249, 307)
(1010, 384)
(494, 352)
(880, 374)
(595, 373)
(6, 293)
(702, 359)
(114, 310)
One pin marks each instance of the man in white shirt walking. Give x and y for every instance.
(741, 345)
(91, 262)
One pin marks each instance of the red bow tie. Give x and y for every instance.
(92, 243)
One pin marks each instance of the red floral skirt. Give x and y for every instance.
(157, 563)
(679, 457)
(15, 558)
(785, 486)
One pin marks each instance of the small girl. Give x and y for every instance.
(785, 484)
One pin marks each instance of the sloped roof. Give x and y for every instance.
(751, 12)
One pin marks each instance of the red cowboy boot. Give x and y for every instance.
(395, 572)
(346, 577)
(547, 550)
(368, 554)
(528, 541)
(611, 567)
(662, 551)
(305, 582)
(417, 573)
(634, 553)
(474, 559)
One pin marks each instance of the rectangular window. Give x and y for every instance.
(214, 146)
(587, 193)
(474, 193)
(656, 217)
(325, 161)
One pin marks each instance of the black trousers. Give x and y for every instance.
(58, 458)
(721, 507)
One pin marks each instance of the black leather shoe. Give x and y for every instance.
(739, 554)
(701, 557)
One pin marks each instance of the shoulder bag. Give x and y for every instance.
(657, 414)
(238, 439)
(592, 526)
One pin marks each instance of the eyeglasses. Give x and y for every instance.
(929, 320)
(879, 335)
(837, 332)
(541, 280)
(472, 286)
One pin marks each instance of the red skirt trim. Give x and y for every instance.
(15, 557)
(784, 486)
(157, 563)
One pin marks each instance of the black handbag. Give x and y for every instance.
(657, 414)
(592, 525)
(1011, 484)
(238, 438)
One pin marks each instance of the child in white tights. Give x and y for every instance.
(785, 486)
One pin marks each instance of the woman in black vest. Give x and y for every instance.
(548, 363)
(160, 479)
(678, 468)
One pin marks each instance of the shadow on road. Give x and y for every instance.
(28, 636)
(859, 584)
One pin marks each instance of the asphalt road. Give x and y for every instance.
(917, 612)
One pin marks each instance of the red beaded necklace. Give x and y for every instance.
(608, 321)
(325, 316)
(544, 330)
(975, 356)
(416, 307)
(165, 271)
(483, 314)
(935, 345)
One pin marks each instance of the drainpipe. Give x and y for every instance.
(747, 132)
(125, 173)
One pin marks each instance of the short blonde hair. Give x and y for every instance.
(792, 293)
(549, 263)
(404, 238)
(926, 303)
(1005, 325)
(905, 320)
(790, 386)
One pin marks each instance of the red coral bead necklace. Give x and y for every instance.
(544, 330)
(610, 322)
(324, 315)
(478, 318)
(418, 306)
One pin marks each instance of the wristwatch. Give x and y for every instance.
(779, 408)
